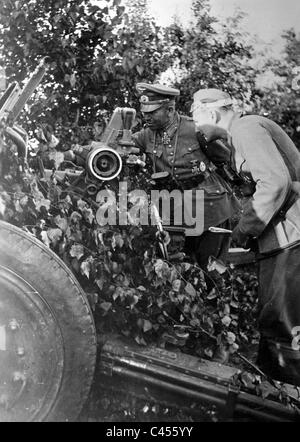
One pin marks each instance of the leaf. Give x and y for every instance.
(216, 265)
(100, 283)
(186, 266)
(73, 80)
(81, 204)
(176, 285)
(119, 241)
(190, 290)
(54, 235)
(221, 355)
(181, 297)
(77, 251)
(66, 203)
(140, 69)
(173, 275)
(226, 320)
(239, 280)
(230, 338)
(116, 295)
(75, 217)
(265, 390)
(161, 269)
(88, 214)
(234, 304)
(57, 157)
(226, 310)
(247, 379)
(194, 322)
(106, 306)
(233, 348)
(140, 340)
(212, 294)
(208, 352)
(134, 301)
(75, 265)
(141, 288)
(45, 238)
(148, 268)
(85, 268)
(147, 325)
(24, 200)
(42, 202)
(62, 223)
(18, 206)
(158, 265)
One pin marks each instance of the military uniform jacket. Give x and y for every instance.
(177, 151)
(265, 152)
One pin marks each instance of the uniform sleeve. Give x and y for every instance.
(262, 158)
(139, 140)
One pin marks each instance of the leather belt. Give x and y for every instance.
(191, 182)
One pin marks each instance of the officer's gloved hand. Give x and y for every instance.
(212, 132)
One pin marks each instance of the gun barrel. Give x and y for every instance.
(28, 90)
(9, 99)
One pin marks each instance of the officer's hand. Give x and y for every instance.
(163, 237)
(212, 132)
(240, 239)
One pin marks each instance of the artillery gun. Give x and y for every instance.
(48, 343)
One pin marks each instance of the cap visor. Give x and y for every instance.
(150, 107)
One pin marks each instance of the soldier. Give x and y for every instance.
(170, 141)
(264, 153)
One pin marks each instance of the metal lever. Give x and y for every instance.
(162, 245)
(219, 230)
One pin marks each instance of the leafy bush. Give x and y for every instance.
(131, 289)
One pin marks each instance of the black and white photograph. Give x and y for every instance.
(149, 214)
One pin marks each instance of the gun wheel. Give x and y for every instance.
(47, 333)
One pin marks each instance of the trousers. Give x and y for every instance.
(279, 315)
(208, 244)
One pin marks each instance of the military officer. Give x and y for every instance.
(263, 152)
(171, 143)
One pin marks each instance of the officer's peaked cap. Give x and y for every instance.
(210, 98)
(153, 96)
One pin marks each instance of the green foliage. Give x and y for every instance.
(208, 54)
(98, 52)
(96, 56)
(278, 95)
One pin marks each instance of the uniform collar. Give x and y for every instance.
(171, 128)
(235, 117)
